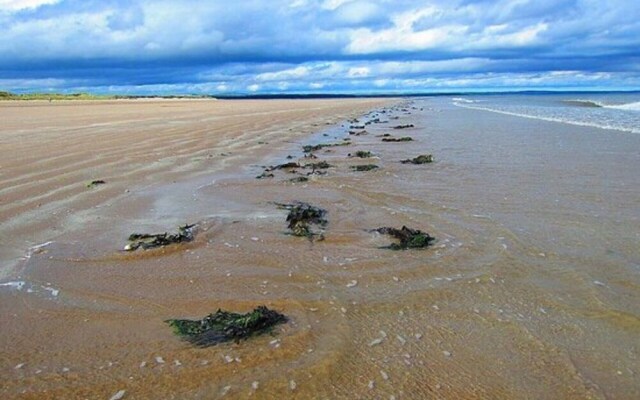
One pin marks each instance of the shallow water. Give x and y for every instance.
(530, 291)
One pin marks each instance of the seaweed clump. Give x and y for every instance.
(95, 183)
(402, 139)
(311, 148)
(150, 241)
(403, 126)
(409, 238)
(361, 154)
(301, 216)
(225, 326)
(421, 159)
(363, 168)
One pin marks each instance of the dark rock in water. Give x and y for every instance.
(409, 238)
(361, 154)
(301, 216)
(403, 126)
(362, 168)
(265, 175)
(358, 133)
(224, 326)
(299, 179)
(421, 159)
(402, 139)
(95, 183)
(357, 127)
(150, 241)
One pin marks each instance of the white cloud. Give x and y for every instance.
(18, 5)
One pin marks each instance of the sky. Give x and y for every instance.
(318, 46)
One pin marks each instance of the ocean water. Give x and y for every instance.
(618, 111)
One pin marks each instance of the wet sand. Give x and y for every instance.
(530, 291)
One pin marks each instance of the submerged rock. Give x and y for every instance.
(421, 159)
(409, 238)
(224, 326)
(150, 241)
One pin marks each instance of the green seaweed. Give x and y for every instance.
(402, 139)
(421, 159)
(149, 241)
(225, 326)
(311, 148)
(363, 168)
(361, 154)
(409, 238)
(318, 165)
(265, 175)
(403, 126)
(301, 216)
(95, 183)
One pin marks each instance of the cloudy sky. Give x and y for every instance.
(329, 46)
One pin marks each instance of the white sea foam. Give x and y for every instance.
(628, 106)
(463, 100)
(28, 287)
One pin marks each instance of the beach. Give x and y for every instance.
(530, 289)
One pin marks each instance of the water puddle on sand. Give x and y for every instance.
(485, 312)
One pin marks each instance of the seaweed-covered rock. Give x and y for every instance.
(363, 168)
(224, 326)
(402, 139)
(301, 216)
(150, 241)
(421, 159)
(299, 179)
(409, 238)
(403, 126)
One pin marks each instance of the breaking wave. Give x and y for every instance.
(634, 106)
(583, 120)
